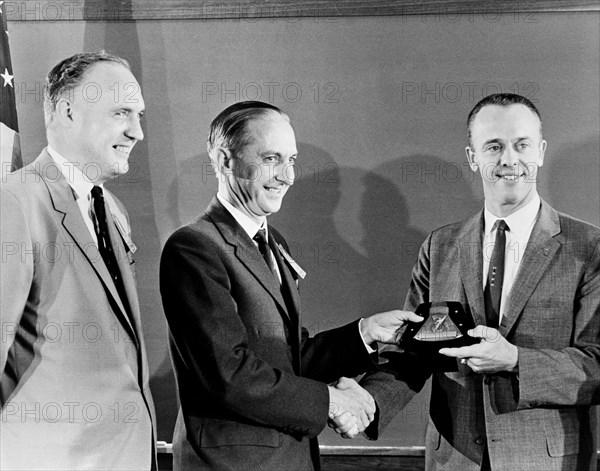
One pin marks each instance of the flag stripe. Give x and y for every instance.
(10, 148)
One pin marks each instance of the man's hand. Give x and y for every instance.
(492, 354)
(351, 408)
(384, 327)
(345, 425)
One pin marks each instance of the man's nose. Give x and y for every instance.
(509, 157)
(134, 130)
(285, 173)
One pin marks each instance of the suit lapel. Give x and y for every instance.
(540, 250)
(288, 281)
(63, 201)
(471, 266)
(132, 320)
(290, 293)
(245, 251)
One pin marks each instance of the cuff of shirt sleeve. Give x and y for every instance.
(367, 346)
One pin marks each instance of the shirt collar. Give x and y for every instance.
(80, 185)
(250, 226)
(518, 222)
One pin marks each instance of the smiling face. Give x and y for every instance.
(103, 121)
(256, 180)
(507, 149)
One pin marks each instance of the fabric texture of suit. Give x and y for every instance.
(74, 379)
(245, 368)
(541, 418)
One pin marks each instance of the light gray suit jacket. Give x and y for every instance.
(538, 419)
(74, 388)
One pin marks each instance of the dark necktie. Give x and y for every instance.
(495, 277)
(263, 247)
(104, 244)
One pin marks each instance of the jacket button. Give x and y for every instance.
(480, 440)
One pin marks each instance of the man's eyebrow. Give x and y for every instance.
(492, 141)
(128, 108)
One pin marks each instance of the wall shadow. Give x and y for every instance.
(403, 201)
(333, 288)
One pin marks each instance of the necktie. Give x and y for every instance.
(104, 244)
(495, 277)
(263, 247)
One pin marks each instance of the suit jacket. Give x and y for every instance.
(248, 376)
(540, 418)
(73, 372)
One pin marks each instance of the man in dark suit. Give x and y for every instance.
(74, 390)
(522, 396)
(252, 385)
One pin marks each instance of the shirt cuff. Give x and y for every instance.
(367, 346)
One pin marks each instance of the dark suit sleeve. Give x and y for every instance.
(570, 376)
(211, 343)
(394, 385)
(334, 353)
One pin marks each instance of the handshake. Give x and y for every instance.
(352, 408)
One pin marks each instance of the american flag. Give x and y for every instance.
(10, 148)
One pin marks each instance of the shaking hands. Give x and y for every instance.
(351, 408)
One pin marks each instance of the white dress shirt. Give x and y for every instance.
(81, 187)
(520, 224)
(250, 226)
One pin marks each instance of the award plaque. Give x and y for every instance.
(445, 324)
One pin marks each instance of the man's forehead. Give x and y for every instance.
(110, 80)
(515, 116)
(510, 112)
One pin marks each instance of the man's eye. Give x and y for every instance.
(270, 159)
(493, 148)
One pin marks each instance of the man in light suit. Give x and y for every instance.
(74, 386)
(252, 385)
(522, 396)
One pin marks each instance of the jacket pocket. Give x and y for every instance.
(563, 445)
(228, 433)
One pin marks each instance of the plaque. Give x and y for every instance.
(445, 324)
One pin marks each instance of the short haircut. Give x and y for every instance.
(230, 128)
(501, 99)
(68, 74)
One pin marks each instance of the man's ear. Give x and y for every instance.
(224, 160)
(64, 112)
(471, 159)
(543, 146)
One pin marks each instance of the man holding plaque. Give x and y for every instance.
(528, 279)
